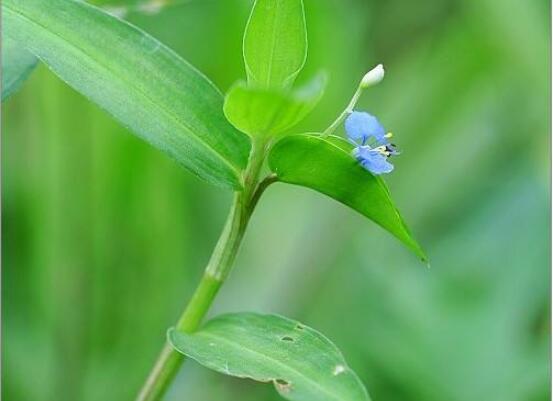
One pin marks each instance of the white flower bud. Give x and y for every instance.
(373, 77)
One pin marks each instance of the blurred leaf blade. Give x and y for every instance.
(267, 112)
(275, 43)
(17, 65)
(147, 87)
(326, 165)
(301, 362)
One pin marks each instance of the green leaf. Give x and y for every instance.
(267, 112)
(302, 363)
(141, 82)
(275, 43)
(17, 65)
(327, 166)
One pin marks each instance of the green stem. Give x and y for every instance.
(169, 360)
(217, 270)
(344, 113)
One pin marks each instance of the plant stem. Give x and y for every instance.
(169, 360)
(217, 270)
(344, 113)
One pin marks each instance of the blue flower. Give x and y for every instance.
(374, 160)
(361, 126)
(372, 148)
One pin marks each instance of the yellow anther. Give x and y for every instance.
(388, 135)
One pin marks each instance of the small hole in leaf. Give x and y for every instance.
(287, 338)
(283, 385)
(338, 369)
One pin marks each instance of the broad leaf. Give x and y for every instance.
(17, 65)
(144, 84)
(275, 43)
(327, 166)
(265, 112)
(302, 363)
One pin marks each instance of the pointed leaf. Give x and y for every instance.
(327, 166)
(302, 363)
(17, 65)
(275, 43)
(268, 112)
(138, 80)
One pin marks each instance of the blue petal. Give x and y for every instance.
(372, 160)
(360, 126)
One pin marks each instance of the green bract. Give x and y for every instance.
(269, 112)
(17, 64)
(275, 43)
(141, 82)
(302, 363)
(325, 164)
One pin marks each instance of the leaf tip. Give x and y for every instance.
(421, 254)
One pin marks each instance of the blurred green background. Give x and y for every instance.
(104, 238)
